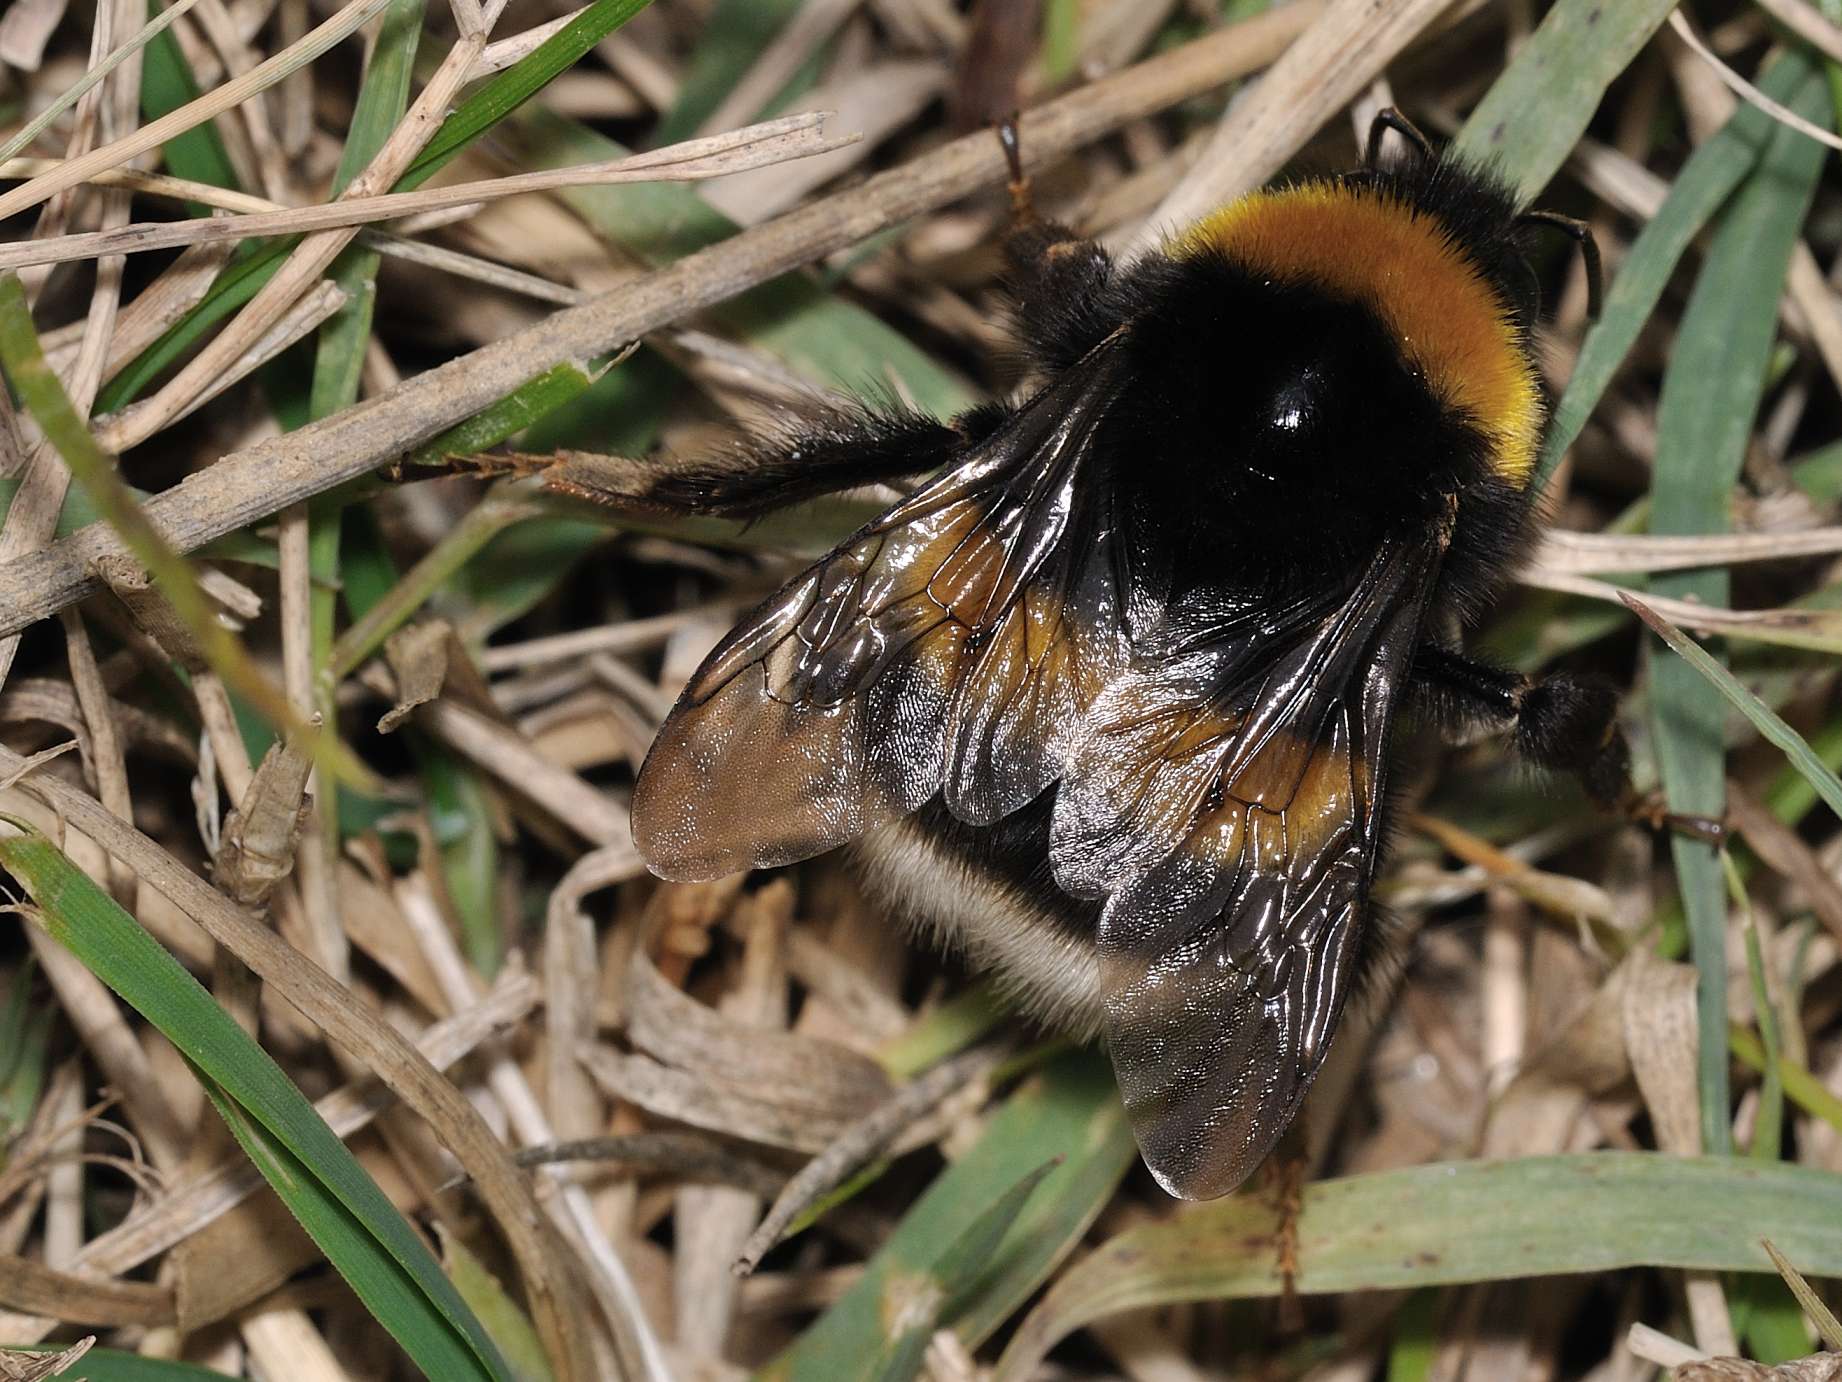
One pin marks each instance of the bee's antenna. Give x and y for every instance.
(1582, 235)
(1388, 118)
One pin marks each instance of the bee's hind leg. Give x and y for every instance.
(817, 454)
(1562, 722)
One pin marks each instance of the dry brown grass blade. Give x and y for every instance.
(37, 1367)
(267, 477)
(28, 1285)
(1570, 553)
(861, 1142)
(1773, 625)
(259, 318)
(1744, 89)
(1348, 43)
(574, 1219)
(758, 146)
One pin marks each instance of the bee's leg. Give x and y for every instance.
(1562, 722)
(1058, 280)
(841, 449)
(1286, 1171)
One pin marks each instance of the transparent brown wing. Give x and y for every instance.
(1235, 798)
(952, 645)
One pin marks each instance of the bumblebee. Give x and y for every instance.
(1107, 702)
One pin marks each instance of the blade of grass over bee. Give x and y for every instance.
(1763, 718)
(339, 1205)
(1535, 113)
(1710, 396)
(1707, 179)
(1450, 1223)
(1069, 1111)
(44, 397)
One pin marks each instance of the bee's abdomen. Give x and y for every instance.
(987, 892)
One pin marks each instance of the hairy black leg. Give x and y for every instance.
(1057, 279)
(1058, 285)
(840, 449)
(1563, 722)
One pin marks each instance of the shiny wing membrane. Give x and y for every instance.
(1232, 798)
(950, 645)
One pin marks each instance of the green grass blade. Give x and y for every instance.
(25, 1032)
(239, 282)
(1825, 1321)
(915, 1305)
(735, 36)
(1707, 179)
(112, 1365)
(509, 1325)
(43, 396)
(1769, 724)
(1800, 1086)
(1537, 110)
(1416, 1338)
(1453, 1223)
(236, 284)
(1071, 1111)
(508, 90)
(383, 96)
(459, 812)
(536, 398)
(364, 1236)
(1710, 396)
(167, 84)
(390, 1293)
(339, 348)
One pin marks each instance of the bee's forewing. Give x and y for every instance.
(1238, 809)
(952, 643)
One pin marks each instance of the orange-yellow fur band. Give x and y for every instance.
(1361, 244)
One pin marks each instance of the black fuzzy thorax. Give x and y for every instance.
(1269, 437)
